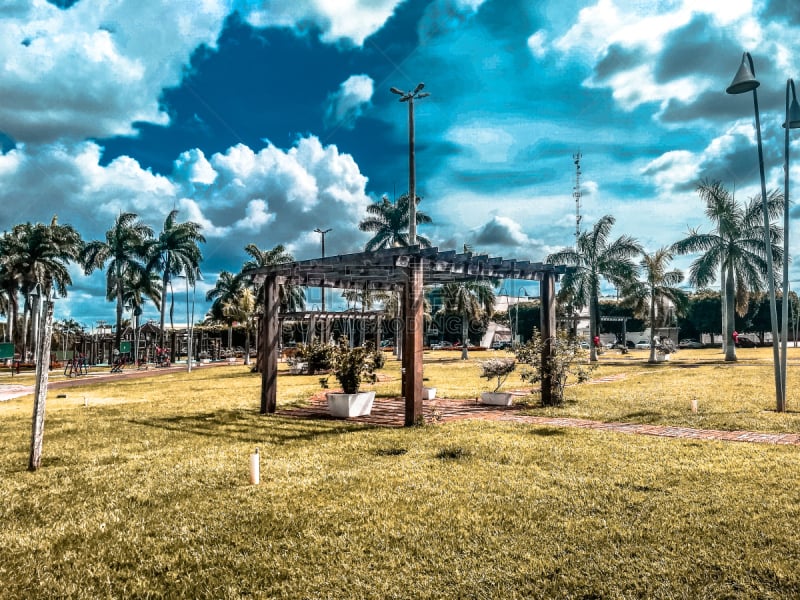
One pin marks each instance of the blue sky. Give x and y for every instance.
(264, 120)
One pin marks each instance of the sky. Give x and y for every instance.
(263, 120)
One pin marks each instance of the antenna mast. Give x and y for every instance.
(576, 193)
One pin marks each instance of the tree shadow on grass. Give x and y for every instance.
(250, 427)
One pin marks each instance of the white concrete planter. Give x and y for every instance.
(428, 393)
(662, 357)
(350, 405)
(496, 398)
(298, 368)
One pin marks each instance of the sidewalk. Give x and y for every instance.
(390, 412)
(100, 374)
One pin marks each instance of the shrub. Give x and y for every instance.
(499, 368)
(316, 355)
(567, 359)
(351, 365)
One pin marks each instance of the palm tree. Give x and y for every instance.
(10, 279)
(173, 253)
(141, 285)
(734, 248)
(242, 308)
(594, 258)
(653, 295)
(125, 250)
(470, 300)
(225, 290)
(292, 297)
(389, 222)
(40, 259)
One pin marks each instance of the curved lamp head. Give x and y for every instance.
(745, 80)
(794, 107)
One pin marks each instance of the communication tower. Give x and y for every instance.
(576, 193)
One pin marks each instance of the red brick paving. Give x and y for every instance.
(389, 412)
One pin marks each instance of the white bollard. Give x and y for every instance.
(255, 468)
(694, 405)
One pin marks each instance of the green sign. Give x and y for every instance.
(6, 350)
(124, 347)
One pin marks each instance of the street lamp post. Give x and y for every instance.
(524, 292)
(792, 122)
(322, 233)
(409, 97)
(743, 82)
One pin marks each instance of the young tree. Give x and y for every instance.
(593, 258)
(567, 361)
(658, 289)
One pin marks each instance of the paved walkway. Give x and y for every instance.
(390, 412)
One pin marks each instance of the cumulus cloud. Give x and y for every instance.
(537, 43)
(666, 54)
(353, 21)
(119, 56)
(501, 231)
(348, 102)
(238, 196)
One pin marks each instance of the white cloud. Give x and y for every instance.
(119, 57)
(673, 168)
(349, 101)
(352, 20)
(501, 231)
(537, 43)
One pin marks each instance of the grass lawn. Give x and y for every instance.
(144, 493)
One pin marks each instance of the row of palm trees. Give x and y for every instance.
(733, 251)
(35, 258)
(140, 265)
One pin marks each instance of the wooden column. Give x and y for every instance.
(270, 336)
(547, 289)
(412, 347)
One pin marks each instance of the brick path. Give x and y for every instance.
(389, 412)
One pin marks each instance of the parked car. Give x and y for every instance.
(441, 345)
(746, 342)
(504, 345)
(643, 344)
(689, 343)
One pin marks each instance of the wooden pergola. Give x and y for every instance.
(399, 269)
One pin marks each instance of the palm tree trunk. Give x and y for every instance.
(164, 283)
(724, 306)
(652, 358)
(730, 312)
(592, 326)
(464, 337)
(118, 334)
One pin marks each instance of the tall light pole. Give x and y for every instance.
(524, 292)
(409, 97)
(745, 81)
(792, 122)
(322, 233)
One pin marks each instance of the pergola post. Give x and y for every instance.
(548, 325)
(412, 346)
(269, 345)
